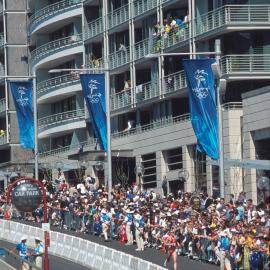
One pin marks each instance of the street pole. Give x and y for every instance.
(46, 233)
(45, 212)
(220, 123)
(108, 121)
(35, 122)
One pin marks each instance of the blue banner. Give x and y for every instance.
(93, 86)
(202, 104)
(22, 96)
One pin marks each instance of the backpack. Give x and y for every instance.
(256, 260)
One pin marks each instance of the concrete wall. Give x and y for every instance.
(78, 250)
(256, 117)
(160, 139)
(232, 140)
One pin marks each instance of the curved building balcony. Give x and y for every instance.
(54, 13)
(174, 38)
(119, 58)
(93, 29)
(96, 64)
(165, 41)
(52, 51)
(68, 150)
(63, 85)
(121, 100)
(147, 91)
(142, 6)
(144, 47)
(152, 126)
(173, 84)
(246, 66)
(61, 123)
(232, 18)
(118, 16)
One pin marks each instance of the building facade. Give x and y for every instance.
(148, 96)
(14, 61)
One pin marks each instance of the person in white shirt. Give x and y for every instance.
(139, 227)
(38, 252)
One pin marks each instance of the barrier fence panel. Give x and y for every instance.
(80, 251)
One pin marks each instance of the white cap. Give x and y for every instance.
(23, 238)
(37, 239)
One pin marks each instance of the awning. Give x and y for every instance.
(244, 163)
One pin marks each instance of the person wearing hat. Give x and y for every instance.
(38, 252)
(129, 221)
(139, 227)
(223, 251)
(105, 220)
(22, 248)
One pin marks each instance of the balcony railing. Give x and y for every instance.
(175, 37)
(144, 47)
(61, 118)
(2, 105)
(55, 46)
(121, 100)
(3, 139)
(142, 6)
(94, 28)
(64, 149)
(233, 15)
(52, 10)
(118, 16)
(2, 40)
(245, 64)
(56, 83)
(174, 82)
(232, 106)
(171, 83)
(119, 58)
(146, 91)
(152, 126)
(96, 63)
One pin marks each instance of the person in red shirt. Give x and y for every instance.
(169, 242)
(63, 186)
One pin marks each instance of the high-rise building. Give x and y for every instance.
(14, 61)
(150, 121)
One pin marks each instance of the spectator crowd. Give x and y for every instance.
(234, 234)
(171, 27)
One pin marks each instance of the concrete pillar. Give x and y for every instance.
(138, 161)
(209, 177)
(232, 138)
(161, 169)
(188, 165)
(250, 182)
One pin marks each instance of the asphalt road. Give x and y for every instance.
(149, 254)
(56, 263)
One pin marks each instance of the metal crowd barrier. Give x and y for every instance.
(81, 251)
